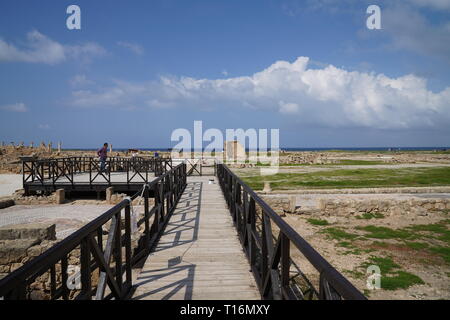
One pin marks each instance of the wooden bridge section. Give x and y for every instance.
(83, 174)
(199, 237)
(199, 255)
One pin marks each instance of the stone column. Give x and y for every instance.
(59, 146)
(292, 204)
(109, 194)
(49, 147)
(60, 196)
(267, 187)
(110, 148)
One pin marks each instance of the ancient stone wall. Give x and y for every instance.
(21, 243)
(388, 207)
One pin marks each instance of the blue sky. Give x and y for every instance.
(137, 70)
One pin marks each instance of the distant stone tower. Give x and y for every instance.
(233, 150)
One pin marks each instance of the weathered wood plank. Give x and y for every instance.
(199, 256)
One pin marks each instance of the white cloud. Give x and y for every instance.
(405, 23)
(135, 48)
(80, 80)
(327, 96)
(39, 48)
(288, 108)
(410, 30)
(16, 107)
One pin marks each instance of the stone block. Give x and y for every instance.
(292, 204)
(109, 194)
(322, 204)
(6, 203)
(60, 196)
(267, 187)
(12, 251)
(34, 231)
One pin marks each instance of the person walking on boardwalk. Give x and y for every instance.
(102, 153)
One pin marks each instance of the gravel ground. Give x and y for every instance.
(435, 276)
(10, 183)
(67, 217)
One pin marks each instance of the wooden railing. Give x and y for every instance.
(105, 267)
(54, 170)
(269, 242)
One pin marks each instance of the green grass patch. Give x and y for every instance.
(358, 251)
(387, 265)
(417, 245)
(339, 234)
(355, 274)
(444, 252)
(345, 244)
(392, 277)
(438, 230)
(387, 233)
(318, 222)
(354, 178)
(401, 280)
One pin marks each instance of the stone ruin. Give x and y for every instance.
(234, 151)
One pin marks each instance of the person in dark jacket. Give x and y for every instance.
(103, 154)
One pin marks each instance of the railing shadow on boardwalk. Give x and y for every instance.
(103, 250)
(181, 225)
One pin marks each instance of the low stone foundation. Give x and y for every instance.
(20, 244)
(280, 204)
(387, 207)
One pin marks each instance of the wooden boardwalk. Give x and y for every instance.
(199, 255)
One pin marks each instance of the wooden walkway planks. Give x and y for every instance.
(199, 256)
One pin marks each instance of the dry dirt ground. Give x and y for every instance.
(350, 255)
